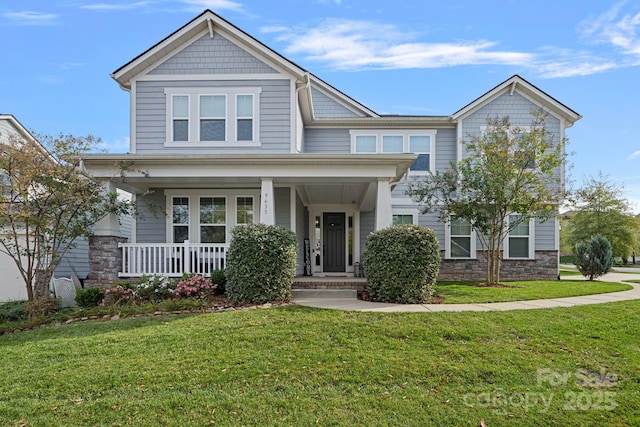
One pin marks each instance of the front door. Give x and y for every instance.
(334, 242)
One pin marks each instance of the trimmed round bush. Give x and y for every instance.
(91, 297)
(401, 264)
(261, 263)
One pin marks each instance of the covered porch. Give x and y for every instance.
(329, 201)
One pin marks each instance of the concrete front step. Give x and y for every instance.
(325, 293)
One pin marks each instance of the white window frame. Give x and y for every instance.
(379, 134)
(231, 119)
(194, 196)
(171, 225)
(253, 204)
(447, 242)
(531, 242)
(406, 212)
(214, 224)
(201, 117)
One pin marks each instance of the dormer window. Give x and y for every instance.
(210, 117)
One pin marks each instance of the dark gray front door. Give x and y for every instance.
(334, 243)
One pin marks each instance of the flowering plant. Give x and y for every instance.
(117, 295)
(194, 286)
(154, 288)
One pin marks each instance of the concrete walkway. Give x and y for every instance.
(344, 302)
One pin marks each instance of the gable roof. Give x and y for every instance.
(17, 126)
(210, 21)
(529, 91)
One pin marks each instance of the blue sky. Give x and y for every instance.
(402, 57)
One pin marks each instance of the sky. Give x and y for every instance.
(399, 57)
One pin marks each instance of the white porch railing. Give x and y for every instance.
(171, 259)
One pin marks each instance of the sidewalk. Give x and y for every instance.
(341, 303)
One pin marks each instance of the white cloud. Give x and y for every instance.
(357, 45)
(214, 5)
(30, 18)
(634, 155)
(112, 6)
(622, 32)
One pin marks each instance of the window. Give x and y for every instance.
(527, 160)
(212, 116)
(421, 145)
(392, 144)
(461, 242)
(406, 141)
(180, 117)
(213, 220)
(213, 113)
(366, 144)
(518, 242)
(207, 216)
(399, 219)
(244, 210)
(5, 189)
(180, 219)
(244, 114)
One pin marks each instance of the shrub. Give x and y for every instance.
(401, 264)
(14, 311)
(594, 257)
(219, 278)
(43, 307)
(91, 297)
(118, 295)
(261, 263)
(154, 288)
(194, 286)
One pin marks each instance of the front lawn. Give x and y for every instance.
(470, 292)
(302, 366)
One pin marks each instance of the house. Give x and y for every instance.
(225, 131)
(12, 286)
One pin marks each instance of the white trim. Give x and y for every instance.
(414, 212)
(379, 134)
(531, 242)
(447, 242)
(194, 197)
(209, 77)
(292, 209)
(133, 116)
(194, 94)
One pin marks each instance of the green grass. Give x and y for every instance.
(302, 366)
(469, 292)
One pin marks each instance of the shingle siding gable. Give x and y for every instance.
(215, 55)
(326, 108)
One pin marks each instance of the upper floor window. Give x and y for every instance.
(420, 142)
(526, 159)
(212, 116)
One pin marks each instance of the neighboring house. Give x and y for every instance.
(12, 286)
(225, 131)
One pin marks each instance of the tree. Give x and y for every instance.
(601, 208)
(46, 203)
(594, 257)
(506, 170)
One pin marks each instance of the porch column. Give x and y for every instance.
(267, 205)
(110, 224)
(384, 215)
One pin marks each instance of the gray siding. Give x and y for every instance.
(545, 235)
(151, 226)
(275, 116)
(282, 206)
(327, 141)
(367, 226)
(326, 108)
(78, 257)
(215, 55)
(517, 107)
